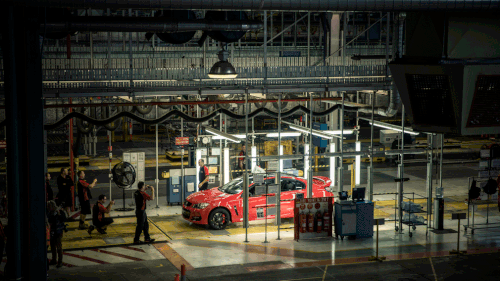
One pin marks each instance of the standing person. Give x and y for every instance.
(99, 221)
(57, 217)
(203, 175)
(48, 188)
(65, 185)
(241, 160)
(84, 196)
(142, 218)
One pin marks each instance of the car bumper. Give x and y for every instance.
(198, 216)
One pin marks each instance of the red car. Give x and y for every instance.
(221, 205)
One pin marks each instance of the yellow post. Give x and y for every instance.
(316, 158)
(353, 176)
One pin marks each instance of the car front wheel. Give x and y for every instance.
(218, 219)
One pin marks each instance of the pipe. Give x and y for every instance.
(281, 5)
(178, 103)
(143, 24)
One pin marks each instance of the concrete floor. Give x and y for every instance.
(223, 255)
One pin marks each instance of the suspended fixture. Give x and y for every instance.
(222, 134)
(223, 69)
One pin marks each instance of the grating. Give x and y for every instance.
(430, 99)
(484, 111)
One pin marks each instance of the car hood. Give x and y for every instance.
(209, 195)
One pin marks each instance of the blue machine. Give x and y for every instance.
(189, 182)
(353, 219)
(345, 219)
(317, 141)
(174, 184)
(174, 187)
(364, 219)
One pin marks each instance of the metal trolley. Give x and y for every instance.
(411, 225)
(474, 203)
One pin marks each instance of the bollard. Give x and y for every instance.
(177, 277)
(183, 272)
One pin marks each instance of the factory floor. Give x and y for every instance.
(224, 254)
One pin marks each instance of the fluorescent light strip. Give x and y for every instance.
(198, 157)
(395, 128)
(281, 160)
(307, 131)
(254, 155)
(306, 160)
(226, 166)
(221, 134)
(357, 172)
(338, 132)
(285, 134)
(222, 76)
(333, 167)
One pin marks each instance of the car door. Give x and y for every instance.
(256, 205)
(287, 197)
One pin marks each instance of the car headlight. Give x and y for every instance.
(200, 205)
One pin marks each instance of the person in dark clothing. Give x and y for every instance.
(84, 196)
(99, 221)
(203, 175)
(142, 218)
(56, 217)
(65, 185)
(48, 188)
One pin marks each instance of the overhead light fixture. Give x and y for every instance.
(223, 138)
(283, 135)
(222, 135)
(339, 132)
(411, 132)
(308, 131)
(390, 126)
(223, 69)
(405, 151)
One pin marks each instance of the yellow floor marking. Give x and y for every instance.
(324, 274)
(433, 270)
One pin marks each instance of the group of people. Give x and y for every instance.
(58, 210)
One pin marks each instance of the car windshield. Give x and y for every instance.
(233, 187)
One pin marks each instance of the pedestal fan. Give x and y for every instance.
(124, 177)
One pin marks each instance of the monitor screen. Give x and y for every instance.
(213, 160)
(358, 193)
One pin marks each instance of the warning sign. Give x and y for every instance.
(182, 141)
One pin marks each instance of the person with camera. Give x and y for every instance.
(84, 196)
(64, 185)
(142, 218)
(57, 218)
(99, 221)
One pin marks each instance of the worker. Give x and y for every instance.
(241, 160)
(65, 185)
(48, 189)
(99, 221)
(203, 175)
(141, 197)
(84, 196)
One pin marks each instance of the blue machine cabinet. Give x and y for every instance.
(345, 219)
(189, 182)
(174, 187)
(364, 219)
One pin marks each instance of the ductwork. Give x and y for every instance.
(157, 25)
(392, 108)
(280, 5)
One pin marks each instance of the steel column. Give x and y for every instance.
(245, 182)
(27, 251)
